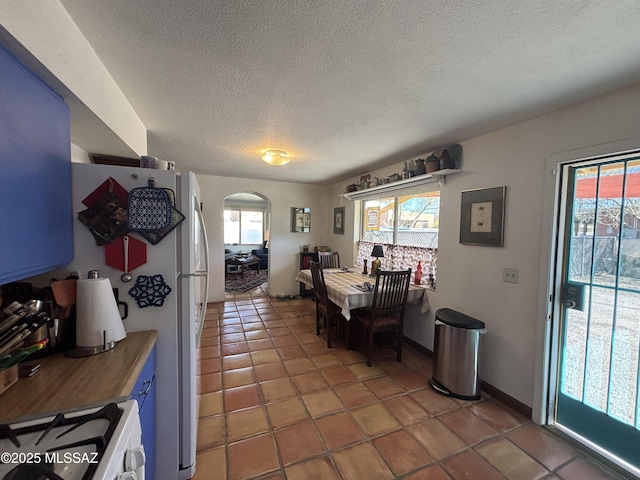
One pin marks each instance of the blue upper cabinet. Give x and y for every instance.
(36, 229)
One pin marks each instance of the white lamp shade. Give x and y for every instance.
(98, 319)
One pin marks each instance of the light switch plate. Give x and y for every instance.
(510, 275)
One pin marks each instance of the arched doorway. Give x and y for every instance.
(247, 225)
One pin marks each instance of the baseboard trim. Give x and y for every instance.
(489, 389)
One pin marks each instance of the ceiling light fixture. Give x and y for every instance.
(276, 157)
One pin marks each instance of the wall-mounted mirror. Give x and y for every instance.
(300, 220)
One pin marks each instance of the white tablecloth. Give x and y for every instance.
(341, 292)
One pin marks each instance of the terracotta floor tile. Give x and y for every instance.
(375, 419)
(209, 342)
(265, 356)
(362, 372)
(468, 465)
(277, 389)
(362, 462)
(309, 382)
(210, 352)
(231, 338)
(433, 401)
(298, 366)
(233, 362)
(211, 432)
(349, 357)
(233, 328)
(237, 378)
(211, 464)
(298, 442)
(284, 387)
(410, 380)
(234, 348)
(210, 365)
(509, 460)
(433, 472)
(252, 457)
(317, 469)
(497, 416)
(322, 403)
(326, 360)
(291, 352)
(252, 323)
(356, 395)
(245, 423)
(211, 382)
(279, 332)
(339, 430)
(467, 426)
(544, 447)
(384, 387)
(256, 335)
(211, 404)
(286, 412)
(308, 337)
(439, 441)
(318, 348)
(339, 375)
(269, 371)
(406, 410)
(262, 344)
(581, 469)
(402, 452)
(241, 397)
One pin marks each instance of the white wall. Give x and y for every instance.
(284, 246)
(65, 60)
(470, 277)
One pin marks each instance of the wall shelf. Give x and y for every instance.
(438, 176)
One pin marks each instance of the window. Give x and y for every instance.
(243, 227)
(407, 228)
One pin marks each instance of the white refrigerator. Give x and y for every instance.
(177, 313)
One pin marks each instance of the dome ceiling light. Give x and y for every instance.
(276, 157)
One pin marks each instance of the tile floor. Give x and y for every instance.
(276, 403)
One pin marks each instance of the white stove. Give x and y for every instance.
(102, 443)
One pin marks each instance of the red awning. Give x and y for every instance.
(610, 186)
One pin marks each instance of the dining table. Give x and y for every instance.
(345, 288)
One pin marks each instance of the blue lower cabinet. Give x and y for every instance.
(145, 393)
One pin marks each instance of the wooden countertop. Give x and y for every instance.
(65, 383)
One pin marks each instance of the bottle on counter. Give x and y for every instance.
(418, 275)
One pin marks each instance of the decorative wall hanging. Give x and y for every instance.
(482, 216)
(149, 208)
(154, 237)
(338, 221)
(150, 291)
(300, 220)
(106, 215)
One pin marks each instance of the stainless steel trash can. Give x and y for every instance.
(456, 354)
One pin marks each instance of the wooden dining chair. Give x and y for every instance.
(329, 259)
(386, 313)
(325, 309)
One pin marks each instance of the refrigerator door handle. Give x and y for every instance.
(199, 273)
(205, 272)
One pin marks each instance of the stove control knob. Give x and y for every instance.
(135, 458)
(128, 476)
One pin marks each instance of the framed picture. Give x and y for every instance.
(482, 216)
(338, 221)
(300, 220)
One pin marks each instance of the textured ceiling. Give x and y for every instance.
(348, 86)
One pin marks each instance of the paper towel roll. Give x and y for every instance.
(97, 315)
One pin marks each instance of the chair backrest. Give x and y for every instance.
(390, 294)
(329, 259)
(319, 287)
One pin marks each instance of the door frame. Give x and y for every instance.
(554, 212)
